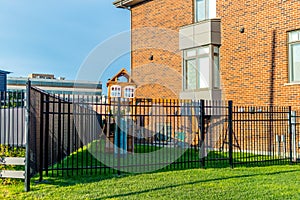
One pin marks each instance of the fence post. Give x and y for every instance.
(202, 130)
(230, 133)
(27, 133)
(119, 133)
(46, 141)
(41, 137)
(294, 135)
(291, 134)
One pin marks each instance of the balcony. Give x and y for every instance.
(199, 34)
(200, 44)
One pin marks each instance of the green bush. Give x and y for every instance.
(8, 151)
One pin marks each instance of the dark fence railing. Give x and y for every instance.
(60, 128)
(295, 136)
(79, 134)
(261, 135)
(73, 134)
(34, 147)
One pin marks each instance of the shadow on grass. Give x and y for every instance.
(195, 182)
(82, 167)
(83, 162)
(70, 181)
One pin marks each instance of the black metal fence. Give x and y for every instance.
(73, 135)
(294, 137)
(59, 129)
(262, 135)
(78, 134)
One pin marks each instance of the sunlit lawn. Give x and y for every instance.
(271, 182)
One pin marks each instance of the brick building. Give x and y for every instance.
(245, 51)
(57, 86)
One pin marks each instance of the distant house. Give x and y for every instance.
(3, 78)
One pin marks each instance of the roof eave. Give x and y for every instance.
(126, 3)
(4, 72)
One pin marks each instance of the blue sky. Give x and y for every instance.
(57, 36)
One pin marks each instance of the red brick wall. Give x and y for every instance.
(162, 42)
(254, 64)
(247, 58)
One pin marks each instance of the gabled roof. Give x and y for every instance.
(4, 72)
(126, 3)
(122, 72)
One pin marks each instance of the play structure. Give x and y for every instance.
(160, 123)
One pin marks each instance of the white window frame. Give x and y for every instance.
(210, 10)
(186, 77)
(129, 92)
(113, 90)
(213, 75)
(293, 39)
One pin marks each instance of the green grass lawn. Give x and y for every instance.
(83, 161)
(271, 182)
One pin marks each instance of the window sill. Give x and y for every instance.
(203, 89)
(196, 90)
(292, 83)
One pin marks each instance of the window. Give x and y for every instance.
(115, 91)
(294, 56)
(129, 92)
(191, 74)
(205, 9)
(199, 65)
